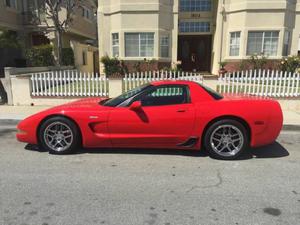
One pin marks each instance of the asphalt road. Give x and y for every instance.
(151, 187)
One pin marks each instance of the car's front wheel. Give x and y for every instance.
(59, 135)
(226, 139)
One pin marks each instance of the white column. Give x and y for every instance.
(115, 86)
(174, 37)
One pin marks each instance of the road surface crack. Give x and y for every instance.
(219, 183)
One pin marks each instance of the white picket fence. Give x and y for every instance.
(68, 83)
(133, 80)
(72, 83)
(270, 83)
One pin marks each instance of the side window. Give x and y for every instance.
(166, 95)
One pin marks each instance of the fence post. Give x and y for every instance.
(115, 85)
(7, 85)
(21, 91)
(212, 83)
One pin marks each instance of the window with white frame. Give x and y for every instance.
(11, 3)
(286, 43)
(164, 46)
(139, 44)
(195, 5)
(265, 42)
(194, 26)
(115, 45)
(234, 45)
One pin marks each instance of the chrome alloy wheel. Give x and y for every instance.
(227, 140)
(58, 136)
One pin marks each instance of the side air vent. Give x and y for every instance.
(191, 142)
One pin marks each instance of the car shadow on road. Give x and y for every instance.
(275, 150)
(139, 151)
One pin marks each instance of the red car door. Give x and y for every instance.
(165, 119)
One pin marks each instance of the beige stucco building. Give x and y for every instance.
(199, 33)
(28, 19)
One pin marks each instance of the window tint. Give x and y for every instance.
(166, 95)
(211, 92)
(127, 95)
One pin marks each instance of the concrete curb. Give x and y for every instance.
(14, 123)
(290, 127)
(9, 122)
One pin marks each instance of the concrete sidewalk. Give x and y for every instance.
(291, 112)
(19, 112)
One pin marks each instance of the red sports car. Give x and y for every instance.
(163, 114)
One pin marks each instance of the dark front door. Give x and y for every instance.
(195, 52)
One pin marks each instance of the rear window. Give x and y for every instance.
(212, 93)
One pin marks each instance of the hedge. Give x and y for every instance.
(40, 56)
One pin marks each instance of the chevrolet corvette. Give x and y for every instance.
(162, 114)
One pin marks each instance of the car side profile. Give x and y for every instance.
(163, 114)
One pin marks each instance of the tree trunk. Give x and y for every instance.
(59, 47)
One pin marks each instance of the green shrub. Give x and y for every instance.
(243, 64)
(290, 64)
(222, 64)
(258, 61)
(124, 68)
(40, 55)
(9, 39)
(255, 62)
(137, 66)
(67, 57)
(111, 65)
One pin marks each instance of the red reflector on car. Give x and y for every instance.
(259, 122)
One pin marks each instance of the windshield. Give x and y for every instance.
(212, 92)
(127, 95)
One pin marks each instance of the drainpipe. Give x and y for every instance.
(223, 12)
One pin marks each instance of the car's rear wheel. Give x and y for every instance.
(226, 139)
(59, 135)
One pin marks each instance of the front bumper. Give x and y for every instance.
(26, 133)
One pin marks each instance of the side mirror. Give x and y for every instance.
(135, 106)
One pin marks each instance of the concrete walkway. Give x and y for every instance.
(291, 111)
(19, 112)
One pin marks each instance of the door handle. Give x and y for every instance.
(181, 110)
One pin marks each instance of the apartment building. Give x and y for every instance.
(28, 19)
(199, 33)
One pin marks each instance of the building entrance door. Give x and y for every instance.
(195, 52)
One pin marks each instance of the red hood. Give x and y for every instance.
(82, 103)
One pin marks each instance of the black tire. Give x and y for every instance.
(224, 155)
(70, 127)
